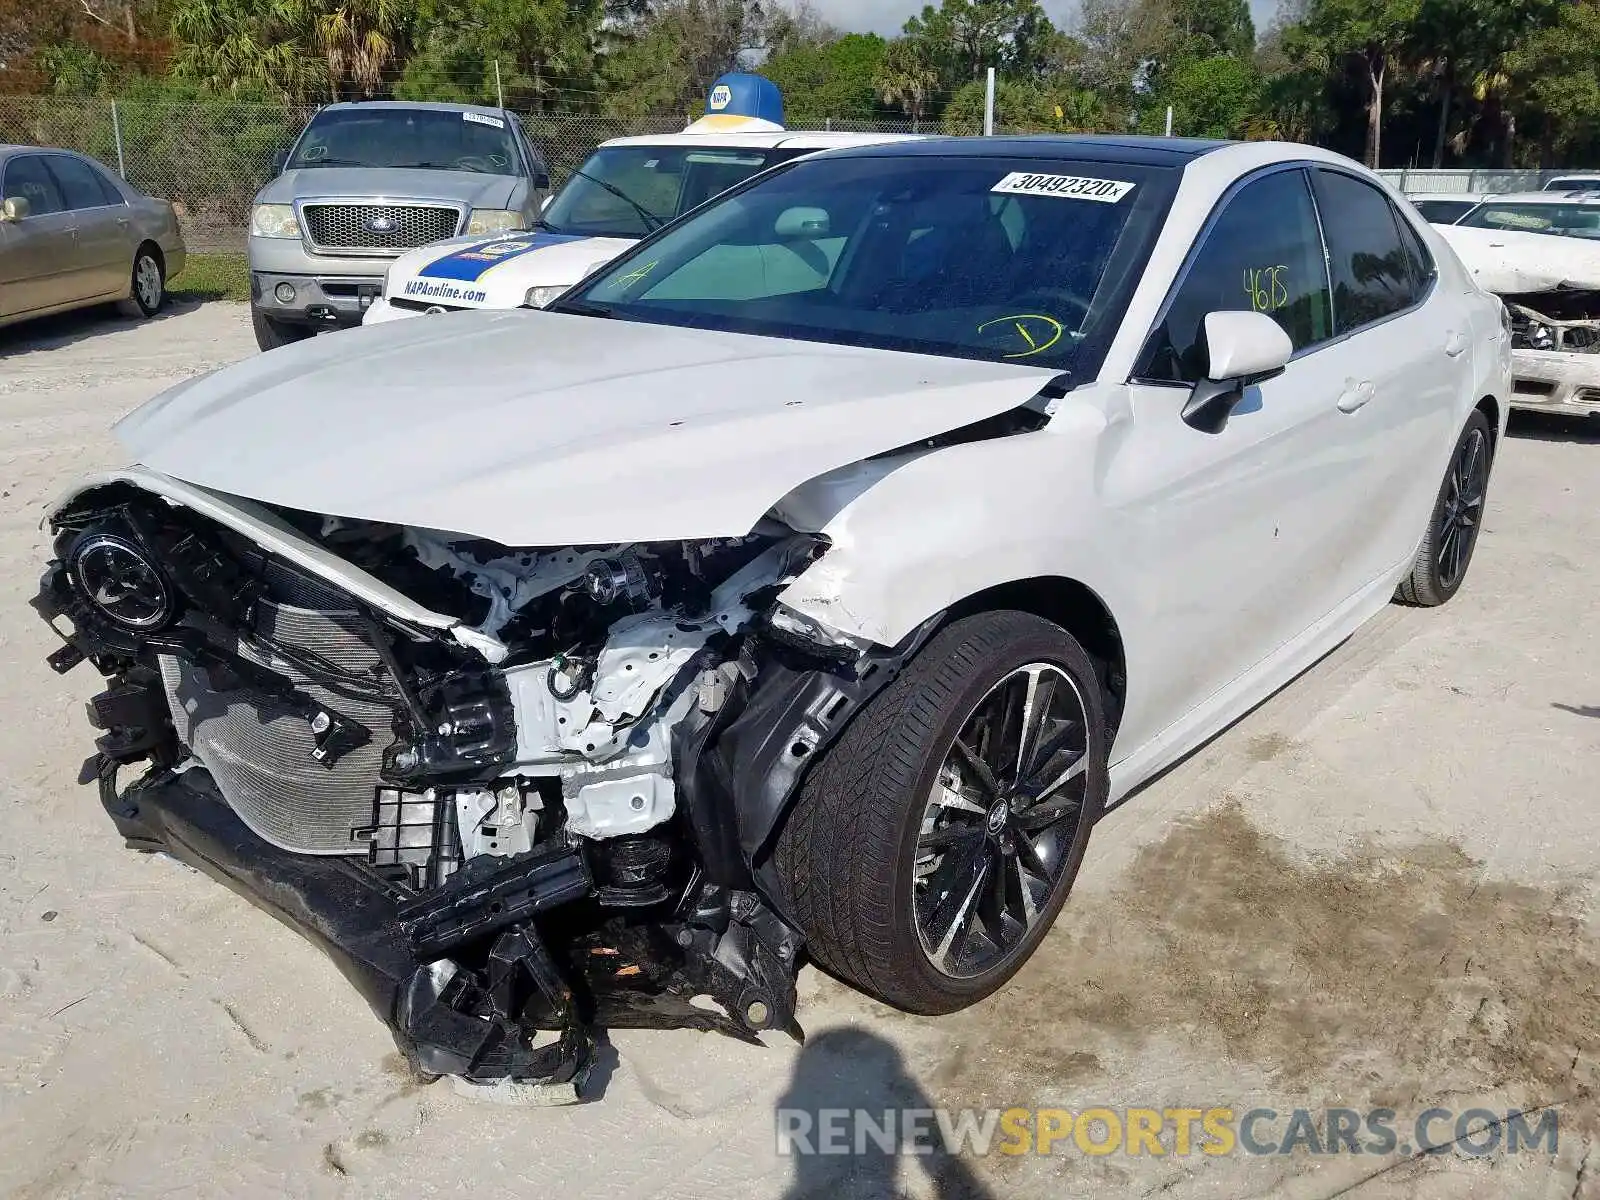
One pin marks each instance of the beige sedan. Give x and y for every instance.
(73, 234)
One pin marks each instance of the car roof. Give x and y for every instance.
(1142, 151)
(1582, 196)
(425, 105)
(802, 139)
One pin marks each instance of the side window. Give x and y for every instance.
(1418, 257)
(27, 177)
(1264, 252)
(80, 187)
(1370, 268)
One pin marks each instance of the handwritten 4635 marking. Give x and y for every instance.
(1265, 287)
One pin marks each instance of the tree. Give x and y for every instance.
(358, 40)
(1210, 97)
(838, 79)
(907, 79)
(1214, 28)
(668, 60)
(1372, 33)
(233, 45)
(1558, 75)
(1024, 106)
(961, 39)
(1124, 41)
(544, 50)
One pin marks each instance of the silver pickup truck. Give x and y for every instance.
(368, 181)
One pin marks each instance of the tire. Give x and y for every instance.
(147, 285)
(270, 333)
(849, 856)
(1455, 521)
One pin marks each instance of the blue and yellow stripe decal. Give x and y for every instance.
(469, 265)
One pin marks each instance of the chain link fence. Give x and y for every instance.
(213, 156)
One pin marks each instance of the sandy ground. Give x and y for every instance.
(1377, 890)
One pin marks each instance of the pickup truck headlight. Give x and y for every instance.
(494, 220)
(538, 297)
(274, 221)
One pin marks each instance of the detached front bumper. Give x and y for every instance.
(1561, 381)
(444, 1019)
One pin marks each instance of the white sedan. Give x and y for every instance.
(627, 189)
(805, 584)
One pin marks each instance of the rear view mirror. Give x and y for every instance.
(1242, 348)
(14, 209)
(541, 182)
(279, 161)
(801, 224)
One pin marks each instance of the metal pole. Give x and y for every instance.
(988, 107)
(499, 93)
(1169, 120)
(116, 131)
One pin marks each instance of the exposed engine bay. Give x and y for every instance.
(548, 818)
(1567, 320)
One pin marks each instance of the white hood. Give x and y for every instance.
(1509, 262)
(426, 274)
(544, 429)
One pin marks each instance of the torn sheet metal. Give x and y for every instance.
(1508, 262)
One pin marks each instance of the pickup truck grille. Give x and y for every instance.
(378, 227)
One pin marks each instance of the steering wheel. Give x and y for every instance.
(1055, 300)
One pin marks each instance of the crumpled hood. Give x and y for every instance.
(392, 183)
(1509, 262)
(546, 429)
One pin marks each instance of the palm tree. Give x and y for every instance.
(357, 39)
(907, 79)
(229, 44)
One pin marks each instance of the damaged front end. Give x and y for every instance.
(1555, 342)
(533, 800)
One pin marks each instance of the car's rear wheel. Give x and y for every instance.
(1457, 517)
(271, 333)
(147, 289)
(930, 850)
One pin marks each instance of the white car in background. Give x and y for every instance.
(1540, 253)
(627, 189)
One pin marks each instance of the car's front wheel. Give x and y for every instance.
(932, 847)
(271, 333)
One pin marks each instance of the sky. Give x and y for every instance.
(887, 16)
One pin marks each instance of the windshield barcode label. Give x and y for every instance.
(481, 119)
(1069, 187)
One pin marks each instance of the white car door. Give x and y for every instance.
(1402, 356)
(1234, 531)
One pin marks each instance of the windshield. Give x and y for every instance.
(1016, 260)
(1562, 220)
(429, 139)
(1444, 212)
(629, 191)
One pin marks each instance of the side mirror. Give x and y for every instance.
(279, 161)
(14, 209)
(1242, 349)
(801, 224)
(541, 182)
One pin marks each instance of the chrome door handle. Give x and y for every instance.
(1356, 395)
(122, 221)
(1455, 344)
